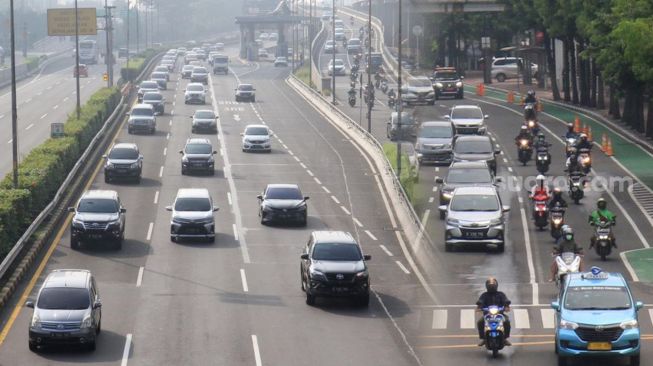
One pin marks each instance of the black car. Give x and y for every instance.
(197, 155)
(99, 216)
(123, 161)
(475, 148)
(156, 100)
(447, 82)
(333, 265)
(465, 174)
(283, 202)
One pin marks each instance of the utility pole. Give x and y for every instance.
(79, 106)
(333, 60)
(370, 87)
(146, 27)
(138, 32)
(108, 29)
(128, 34)
(399, 98)
(14, 109)
(24, 38)
(310, 41)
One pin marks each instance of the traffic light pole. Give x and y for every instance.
(78, 107)
(14, 109)
(108, 29)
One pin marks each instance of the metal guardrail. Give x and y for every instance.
(13, 254)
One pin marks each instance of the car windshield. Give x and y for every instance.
(330, 43)
(473, 147)
(597, 298)
(245, 87)
(446, 75)
(336, 252)
(142, 112)
(162, 69)
(419, 83)
(469, 176)
(195, 88)
(466, 113)
(281, 59)
(278, 193)
(120, 153)
(198, 149)
(354, 42)
(64, 298)
(256, 131)
(152, 96)
(474, 202)
(97, 205)
(221, 59)
(192, 204)
(406, 119)
(149, 85)
(433, 132)
(158, 75)
(200, 70)
(204, 115)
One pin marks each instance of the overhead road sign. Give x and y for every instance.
(61, 22)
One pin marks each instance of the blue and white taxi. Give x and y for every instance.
(596, 316)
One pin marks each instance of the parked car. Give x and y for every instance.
(256, 138)
(124, 160)
(192, 215)
(245, 92)
(67, 310)
(434, 142)
(468, 119)
(141, 119)
(283, 203)
(475, 148)
(99, 216)
(204, 120)
(195, 93)
(509, 68)
(333, 265)
(464, 174)
(197, 155)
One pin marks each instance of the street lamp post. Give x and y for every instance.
(333, 59)
(78, 108)
(486, 45)
(399, 101)
(370, 88)
(14, 109)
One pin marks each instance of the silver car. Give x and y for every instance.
(419, 90)
(204, 120)
(195, 93)
(509, 68)
(475, 217)
(192, 215)
(468, 119)
(67, 310)
(434, 142)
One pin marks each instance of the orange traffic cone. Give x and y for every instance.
(590, 138)
(609, 151)
(577, 125)
(604, 142)
(510, 98)
(482, 89)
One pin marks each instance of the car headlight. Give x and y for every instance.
(114, 223)
(87, 322)
(317, 275)
(453, 222)
(109, 164)
(495, 222)
(459, 84)
(362, 274)
(446, 146)
(211, 160)
(431, 92)
(78, 223)
(184, 159)
(448, 195)
(134, 165)
(36, 321)
(438, 85)
(630, 324)
(418, 146)
(564, 324)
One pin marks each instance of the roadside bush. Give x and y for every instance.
(137, 63)
(14, 217)
(32, 62)
(409, 174)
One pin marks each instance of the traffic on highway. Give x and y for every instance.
(307, 193)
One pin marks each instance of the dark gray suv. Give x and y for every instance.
(99, 216)
(67, 310)
(333, 265)
(123, 161)
(464, 174)
(197, 155)
(434, 140)
(476, 148)
(405, 130)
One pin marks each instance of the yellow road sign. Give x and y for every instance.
(105, 76)
(61, 22)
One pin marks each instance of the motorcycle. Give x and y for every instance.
(353, 76)
(576, 187)
(530, 111)
(557, 217)
(525, 152)
(392, 101)
(533, 126)
(603, 239)
(495, 338)
(354, 69)
(384, 85)
(567, 262)
(542, 160)
(352, 97)
(584, 160)
(541, 214)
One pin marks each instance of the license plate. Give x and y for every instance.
(95, 236)
(197, 164)
(599, 346)
(59, 335)
(122, 170)
(340, 289)
(473, 235)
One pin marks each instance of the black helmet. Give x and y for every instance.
(531, 93)
(491, 284)
(601, 204)
(569, 233)
(570, 127)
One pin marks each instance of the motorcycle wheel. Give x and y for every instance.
(495, 353)
(576, 200)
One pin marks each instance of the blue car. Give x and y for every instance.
(596, 316)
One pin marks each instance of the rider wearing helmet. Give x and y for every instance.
(602, 214)
(541, 142)
(530, 97)
(492, 296)
(583, 142)
(566, 245)
(557, 199)
(540, 192)
(572, 161)
(571, 132)
(524, 133)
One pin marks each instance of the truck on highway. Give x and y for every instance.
(89, 52)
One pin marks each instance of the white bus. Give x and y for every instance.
(88, 52)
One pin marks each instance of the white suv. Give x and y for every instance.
(507, 68)
(192, 215)
(195, 93)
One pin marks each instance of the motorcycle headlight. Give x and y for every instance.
(493, 311)
(564, 324)
(557, 221)
(630, 324)
(459, 84)
(531, 124)
(362, 274)
(523, 142)
(317, 275)
(36, 321)
(586, 160)
(438, 85)
(87, 322)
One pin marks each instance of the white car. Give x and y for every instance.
(418, 90)
(257, 138)
(339, 67)
(195, 93)
(508, 68)
(281, 62)
(262, 53)
(468, 119)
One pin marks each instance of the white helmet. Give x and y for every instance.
(540, 180)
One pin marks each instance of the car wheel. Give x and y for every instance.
(129, 131)
(211, 239)
(310, 299)
(107, 179)
(501, 248)
(91, 346)
(237, 99)
(117, 245)
(253, 100)
(501, 78)
(193, 130)
(33, 347)
(74, 244)
(99, 327)
(432, 102)
(437, 96)
(153, 131)
(138, 179)
(212, 172)
(634, 360)
(364, 300)
(562, 361)
(173, 239)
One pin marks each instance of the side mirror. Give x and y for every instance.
(639, 305)
(306, 198)
(446, 116)
(181, 151)
(497, 152)
(442, 208)
(259, 197)
(216, 208)
(104, 156)
(439, 180)
(168, 208)
(71, 209)
(498, 180)
(555, 305)
(367, 257)
(191, 117)
(486, 116)
(304, 256)
(214, 152)
(123, 210)
(29, 304)
(505, 208)
(97, 305)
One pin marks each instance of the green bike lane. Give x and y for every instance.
(637, 162)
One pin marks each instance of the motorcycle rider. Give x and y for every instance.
(556, 198)
(602, 214)
(540, 192)
(572, 162)
(530, 97)
(524, 133)
(566, 245)
(492, 296)
(571, 132)
(541, 142)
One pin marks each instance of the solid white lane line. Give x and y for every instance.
(360, 224)
(229, 198)
(335, 200)
(149, 231)
(548, 316)
(30, 126)
(326, 189)
(161, 172)
(310, 173)
(317, 180)
(257, 353)
(388, 252)
(43, 116)
(345, 209)
(139, 279)
(369, 233)
(156, 197)
(125, 352)
(529, 255)
(403, 268)
(165, 151)
(431, 199)
(439, 319)
(243, 278)
(235, 231)
(467, 319)
(521, 319)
